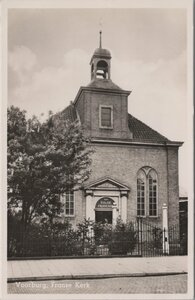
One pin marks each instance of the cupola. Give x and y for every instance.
(100, 62)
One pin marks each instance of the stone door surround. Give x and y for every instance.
(107, 188)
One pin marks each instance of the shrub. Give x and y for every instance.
(123, 238)
(102, 233)
(61, 239)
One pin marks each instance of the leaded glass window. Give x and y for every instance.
(147, 192)
(152, 181)
(141, 180)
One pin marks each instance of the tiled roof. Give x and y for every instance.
(104, 84)
(69, 113)
(144, 133)
(141, 132)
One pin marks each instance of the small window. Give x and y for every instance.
(68, 199)
(106, 116)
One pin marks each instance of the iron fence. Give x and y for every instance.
(177, 241)
(151, 239)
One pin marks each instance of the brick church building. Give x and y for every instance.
(134, 168)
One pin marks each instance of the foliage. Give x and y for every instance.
(64, 238)
(43, 239)
(14, 235)
(44, 161)
(61, 239)
(102, 233)
(85, 233)
(124, 237)
(120, 239)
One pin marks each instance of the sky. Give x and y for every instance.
(49, 51)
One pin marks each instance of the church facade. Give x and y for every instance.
(134, 168)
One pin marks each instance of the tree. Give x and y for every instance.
(44, 161)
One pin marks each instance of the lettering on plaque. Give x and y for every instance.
(105, 203)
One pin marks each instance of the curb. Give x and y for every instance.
(95, 276)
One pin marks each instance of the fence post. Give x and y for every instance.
(89, 210)
(138, 238)
(165, 230)
(141, 231)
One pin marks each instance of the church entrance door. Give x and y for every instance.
(103, 210)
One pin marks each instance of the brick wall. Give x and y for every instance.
(122, 164)
(80, 208)
(173, 191)
(88, 109)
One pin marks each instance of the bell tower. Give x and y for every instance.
(102, 105)
(100, 62)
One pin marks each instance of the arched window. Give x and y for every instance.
(152, 182)
(147, 192)
(141, 193)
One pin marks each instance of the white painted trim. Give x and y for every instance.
(123, 142)
(119, 186)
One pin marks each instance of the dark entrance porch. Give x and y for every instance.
(103, 216)
(103, 210)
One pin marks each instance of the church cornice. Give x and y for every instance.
(100, 90)
(136, 143)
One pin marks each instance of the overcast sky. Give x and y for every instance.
(50, 51)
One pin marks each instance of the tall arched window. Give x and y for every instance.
(141, 194)
(147, 192)
(152, 182)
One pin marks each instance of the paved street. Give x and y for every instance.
(132, 285)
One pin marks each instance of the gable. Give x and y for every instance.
(107, 184)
